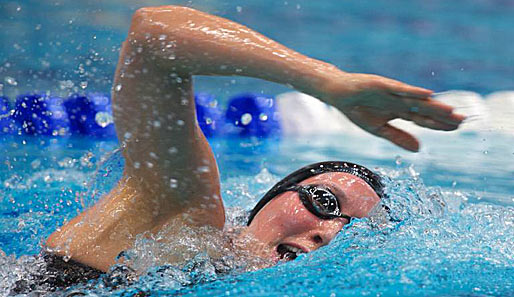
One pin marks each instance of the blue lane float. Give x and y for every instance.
(90, 114)
(253, 115)
(37, 114)
(210, 117)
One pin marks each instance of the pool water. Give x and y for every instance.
(451, 234)
(452, 227)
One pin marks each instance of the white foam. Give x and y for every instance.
(500, 107)
(302, 114)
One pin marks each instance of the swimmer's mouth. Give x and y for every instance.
(288, 252)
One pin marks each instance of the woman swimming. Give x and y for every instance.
(170, 173)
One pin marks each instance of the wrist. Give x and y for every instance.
(329, 82)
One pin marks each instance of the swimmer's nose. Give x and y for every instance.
(325, 233)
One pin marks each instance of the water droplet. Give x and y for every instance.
(208, 121)
(239, 8)
(35, 164)
(118, 87)
(83, 84)
(137, 165)
(149, 165)
(127, 135)
(180, 122)
(203, 169)
(156, 124)
(11, 81)
(103, 119)
(153, 155)
(162, 37)
(172, 150)
(173, 183)
(263, 117)
(246, 119)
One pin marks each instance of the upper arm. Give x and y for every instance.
(155, 119)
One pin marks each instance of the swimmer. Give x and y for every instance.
(170, 171)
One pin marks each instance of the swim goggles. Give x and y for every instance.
(319, 200)
(315, 202)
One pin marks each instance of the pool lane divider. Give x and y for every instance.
(90, 114)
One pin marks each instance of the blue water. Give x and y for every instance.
(54, 46)
(454, 233)
(454, 201)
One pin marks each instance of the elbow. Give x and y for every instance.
(150, 21)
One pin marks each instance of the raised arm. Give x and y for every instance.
(170, 171)
(184, 40)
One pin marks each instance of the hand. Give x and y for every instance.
(371, 101)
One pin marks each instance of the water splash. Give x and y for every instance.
(435, 242)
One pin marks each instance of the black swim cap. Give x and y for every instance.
(371, 178)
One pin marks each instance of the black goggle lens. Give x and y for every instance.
(324, 201)
(320, 201)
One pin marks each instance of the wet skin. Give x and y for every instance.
(170, 171)
(285, 220)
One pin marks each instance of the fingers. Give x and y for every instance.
(430, 123)
(429, 108)
(397, 136)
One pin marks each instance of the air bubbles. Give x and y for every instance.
(83, 84)
(239, 9)
(180, 122)
(263, 117)
(172, 150)
(173, 183)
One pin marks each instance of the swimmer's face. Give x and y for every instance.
(286, 228)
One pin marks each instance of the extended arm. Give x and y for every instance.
(170, 171)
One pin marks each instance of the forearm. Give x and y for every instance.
(189, 42)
